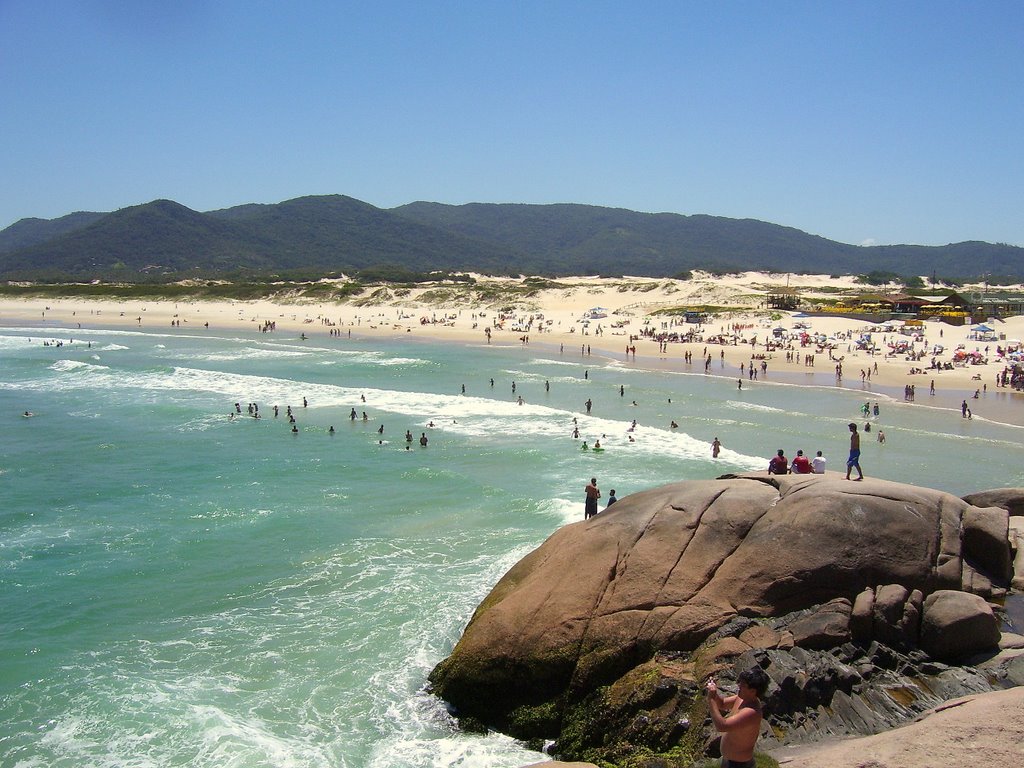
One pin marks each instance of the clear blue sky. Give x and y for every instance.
(861, 121)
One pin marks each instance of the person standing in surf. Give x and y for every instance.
(590, 504)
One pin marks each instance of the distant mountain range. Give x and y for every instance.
(334, 234)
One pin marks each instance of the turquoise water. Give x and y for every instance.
(182, 588)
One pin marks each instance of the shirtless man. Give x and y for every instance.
(854, 460)
(738, 718)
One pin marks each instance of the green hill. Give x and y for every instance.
(584, 239)
(334, 234)
(28, 232)
(339, 233)
(315, 235)
(158, 238)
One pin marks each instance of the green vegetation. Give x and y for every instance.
(913, 283)
(541, 283)
(245, 291)
(613, 726)
(440, 295)
(760, 758)
(879, 277)
(163, 241)
(535, 722)
(392, 273)
(821, 289)
(682, 309)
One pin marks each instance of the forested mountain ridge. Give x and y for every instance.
(27, 232)
(334, 234)
(589, 239)
(314, 235)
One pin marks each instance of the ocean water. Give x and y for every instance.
(182, 588)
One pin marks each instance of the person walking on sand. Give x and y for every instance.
(590, 504)
(854, 460)
(738, 718)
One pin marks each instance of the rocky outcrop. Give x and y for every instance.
(1010, 499)
(957, 625)
(694, 575)
(953, 733)
(987, 727)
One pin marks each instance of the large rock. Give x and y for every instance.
(986, 542)
(1010, 499)
(665, 568)
(827, 627)
(1016, 534)
(890, 600)
(957, 624)
(988, 727)
(862, 617)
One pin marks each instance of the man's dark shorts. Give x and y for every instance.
(727, 763)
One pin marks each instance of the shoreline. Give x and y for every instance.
(559, 314)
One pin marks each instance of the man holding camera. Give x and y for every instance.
(738, 718)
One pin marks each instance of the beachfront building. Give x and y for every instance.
(784, 298)
(953, 308)
(996, 304)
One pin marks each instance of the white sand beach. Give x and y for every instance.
(555, 314)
